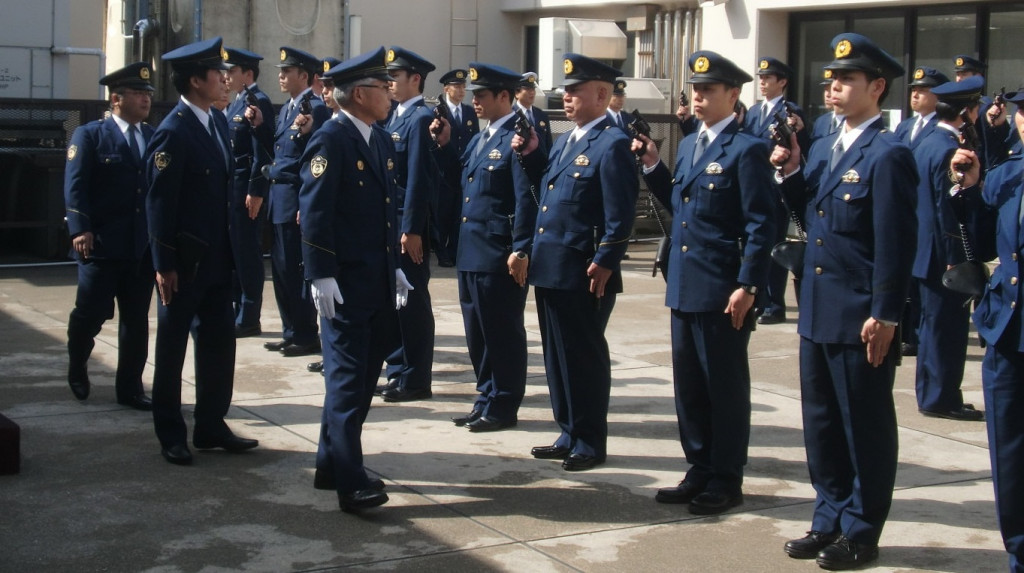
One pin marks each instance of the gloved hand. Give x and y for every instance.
(402, 288)
(325, 293)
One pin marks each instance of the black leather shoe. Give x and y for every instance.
(139, 402)
(228, 441)
(445, 262)
(387, 386)
(301, 349)
(78, 379)
(771, 319)
(361, 499)
(470, 417)
(247, 331)
(399, 394)
(713, 502)
(682, 493)
(276, 346)
(581, 462)
(907, 349)
(550, 452)
(178, 454)
(810, 545)
(846, 554)
(317, 366)
(485, 424)
(965, 413)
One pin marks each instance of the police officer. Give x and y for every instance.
(526, 94)
(587, 207)
(999, 323)
(829, 122)
(615, 105)
(298, 317)
(252, 148)
(104, 194)
(993, 141)
(498, 213)
(411, 362)
(349, 226)
(858, 189)
(773, 78)
(188, 209)
(724, 216)
(327, 89)
(944, 318)
(445, 229)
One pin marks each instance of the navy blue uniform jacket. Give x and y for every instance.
(938, 235)
(252, 147)
(416, 169)
(289, 145)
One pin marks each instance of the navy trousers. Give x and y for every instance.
(850, 435)
(411, 363)
(247, 250)
(1002, 374)
(578, 365)
(942, 346)
(492, 311)
(711, 376)
(355, 342)
(100, 283)
(774, 301)
(298, 316)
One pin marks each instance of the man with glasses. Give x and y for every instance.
(350, 247)
(526, 94)
(104, 193)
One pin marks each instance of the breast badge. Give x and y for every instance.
(395, 137)
(161, 159)
(582, 161)
(713, 169)
(494, 154)
(72, 152)
(851, 176)
(317, 166)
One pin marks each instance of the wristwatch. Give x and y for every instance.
(749, 289)
(520, 255)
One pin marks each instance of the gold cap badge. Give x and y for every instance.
(223, 54)
(460, 75)
(918, 74)
(828, 74)
(701, 65)
(284, 55)
(144, 73)
(327, 66)
(567, 66)
(959, 61)
(391, 56)
(764, 64)
(472, 74)
(843, 49)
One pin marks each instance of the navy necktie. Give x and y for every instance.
(133, 143)
(702, 145)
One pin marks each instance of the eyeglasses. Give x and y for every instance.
(384, 87)
(137, 93)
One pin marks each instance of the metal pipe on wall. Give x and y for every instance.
(656, 49)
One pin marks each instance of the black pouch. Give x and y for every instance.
(789, 254)
(967, 278)
(661, 257)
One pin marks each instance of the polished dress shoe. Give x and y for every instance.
(470, 417)
(380, 388)
(138, 401)
(907, 349)
(682, 493)
(276, 346)
(485, 424)
(445, 262)
(227, 441)
(400, 394)
(361, 499)
(301, 349)
(247, 331)
(78, 379)
(965, 413)
(317, 366)
(808, 546)
(550, 452)
(845, 553)
(581, 462)
(771, 318)
(178, 454)
(716, 501)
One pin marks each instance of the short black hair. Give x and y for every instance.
(180, 78)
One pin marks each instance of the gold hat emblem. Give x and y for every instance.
(620, 85)
(701, 65)
(284, 55)
(473, 75)
(161, 159)
(144, 73)
(918, 74)
(843, 49)
(391, 56)
(317, 166)
(532, 78)
(828, 74)
(764, 64)
(567, 66)
(327, 65)
(223, 54)
(959, 62)
(72, 152)
(460, 75)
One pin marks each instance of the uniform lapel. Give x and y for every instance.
(119, 139)
(714, 151)
(850, 158)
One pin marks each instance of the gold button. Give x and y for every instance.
(470, 178)
(576, 175)
(540, 231)
(551, 187)
(544, 209)
(464, 219)
(389, 224)
(686, 199)
(821, 213)
(387, 200)
(817, 242)
(360, 183)
(685, 248)
(818, 271)
(1013, 280)
(846, 197)
(1014, 256)
(673, 180)
(683, 224)
(1013, 304)
(711, 186)
(107, 160)
(467, 199)
(490, 168)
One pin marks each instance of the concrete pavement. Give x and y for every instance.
(95, 495)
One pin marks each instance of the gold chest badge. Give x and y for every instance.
(317, 166)
(713, 169)
(582, 161)
(161, 159)
(395, 137)
(851, 176)
(494, 154)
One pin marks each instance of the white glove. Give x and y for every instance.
(325, 293)
(402, 288)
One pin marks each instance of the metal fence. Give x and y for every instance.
(35, 133)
